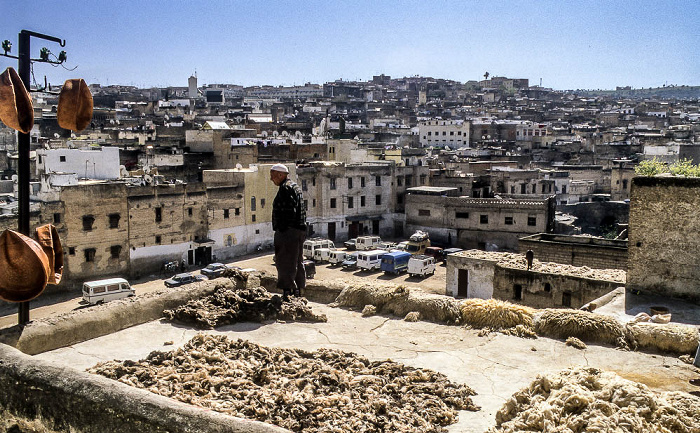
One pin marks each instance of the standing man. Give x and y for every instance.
(289, 224)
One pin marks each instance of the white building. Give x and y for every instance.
(452, 133)
(99, 163)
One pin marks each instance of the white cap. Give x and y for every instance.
(280, 167)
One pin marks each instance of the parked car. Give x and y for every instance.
(182, 279)
(447, 251)
(435, 252)
(97, 292)
(350, 261)
(213, 270)
(337, 257)
(421, 265)
(386, 246)
(395, 262)
(309, 268)
(351, 244)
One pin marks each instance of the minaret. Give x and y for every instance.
(192, 92)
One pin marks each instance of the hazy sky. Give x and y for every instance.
(567, 44)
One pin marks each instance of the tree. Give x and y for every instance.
(486, 75)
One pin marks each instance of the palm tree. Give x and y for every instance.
(486, 75)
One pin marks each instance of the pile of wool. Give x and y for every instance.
(399, 301)
(495, 314)
(669, 337)
(227, 306)
(10, 423)
(320, 391)
(576, 343)
(369, 310)
(589, 400)
(584, 325)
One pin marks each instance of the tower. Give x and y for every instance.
(192, 84)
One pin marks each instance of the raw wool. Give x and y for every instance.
(369, 310)
(11, 423)
(687, 359)
(519, 331)
(320, 391)
(495, 314)
(586, 326)
(669, 337)
(589, 400)
(413, 316)
(227, 306)
(399, 301)
(576, 343)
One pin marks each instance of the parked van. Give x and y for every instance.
(366, 243)
(97, 292)
(310, 245)
(322, 254)
(418, 242)
(421, 265)
(447, 251)
(395, 262)
(336, 257)
(370, 260)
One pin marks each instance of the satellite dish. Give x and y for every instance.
(239, 166)
(56, 135)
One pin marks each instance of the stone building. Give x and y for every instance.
(486, 224)
(452, 133)
(664, 249)
(505, 276)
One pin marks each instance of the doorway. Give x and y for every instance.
(462, 283)
(331, 231)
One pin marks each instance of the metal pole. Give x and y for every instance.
(24, 67)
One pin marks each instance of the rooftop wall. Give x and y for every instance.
(588, 251)
(664, 241)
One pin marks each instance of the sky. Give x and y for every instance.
(567, 44)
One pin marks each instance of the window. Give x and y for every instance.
(509, 221)
(362, 182)
(532, 220)
(362, 201)
(332, 180)
(452, 133)
(349, 183)
(306, 205)
(378, 199)
(483, 219)
(252, 203)
(563, 189)
(89, 254)
(313, 181)
(303, 185)
(313, 202)
(624, 183)
(115, 251)
(71, 251)
(62, 158)
(464, 215)
(88, 221)
(225, 213)
(237, 211)
(378, 180)
(547, 287)
(189, 211)
(262, 203)
(332, 203)
(56, 218)
(399, 181)
(523, 188)
(159, 214)
(424, 212)
(158, 239)
(252, 218)
(351, 202)
(114, 220)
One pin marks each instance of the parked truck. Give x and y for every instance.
(418, 242)
(395, 262)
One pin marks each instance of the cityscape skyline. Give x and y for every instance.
(586, 45)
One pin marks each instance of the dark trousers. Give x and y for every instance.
(289, 255)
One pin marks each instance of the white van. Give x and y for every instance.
(370, 260)
(364, 243)
(310, 245)
(421, 265)
(97, 292)
(336, 257)
(322, 254)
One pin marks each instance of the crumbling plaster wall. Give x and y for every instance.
(664, 245)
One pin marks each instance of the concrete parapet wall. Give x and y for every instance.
(69, 400)
(577, 251)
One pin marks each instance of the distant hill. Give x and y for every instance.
(668, 92)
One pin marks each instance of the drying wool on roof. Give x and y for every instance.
(227, 306)
(586, 326)
(321, 391)
(369, 310)
(589, 400)
(399, 301)
(575, 343)
(413, 316)
(665, 337)
(495, 314)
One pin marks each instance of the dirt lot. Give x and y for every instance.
(53, 304)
